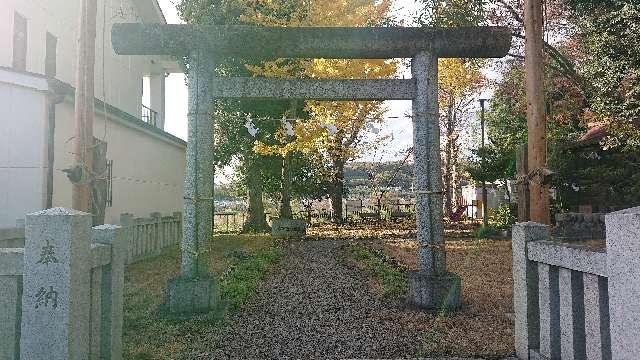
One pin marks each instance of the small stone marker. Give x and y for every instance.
(288, 228)
(55, 300)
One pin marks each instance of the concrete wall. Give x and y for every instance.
(121, 80)
(22, 152)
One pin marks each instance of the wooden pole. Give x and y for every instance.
(84, 100)
(536, 121)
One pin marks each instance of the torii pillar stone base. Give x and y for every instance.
(430, 287)
(195, 290)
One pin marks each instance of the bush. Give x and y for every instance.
(505, 216)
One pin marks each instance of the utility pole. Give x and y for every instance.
(84, 112)
(485, 210)
(536, 121)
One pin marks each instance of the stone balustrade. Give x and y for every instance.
(149, 236)
(61, 296)
(577, 302)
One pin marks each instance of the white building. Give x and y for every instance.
(38, 42)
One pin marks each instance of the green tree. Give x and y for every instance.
(609, 31)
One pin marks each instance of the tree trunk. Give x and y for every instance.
(337, 190)
(285, 204)
(455, 157)
(448, 169)
(256, 220)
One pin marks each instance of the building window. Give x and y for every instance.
(19, 42)
(50, 55)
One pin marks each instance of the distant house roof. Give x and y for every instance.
(596, 132)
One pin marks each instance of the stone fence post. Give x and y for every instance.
(177, 232)
(157, 234)
(126, 221)
(525, 287)
(112, 291)
(56, 296)
(623, 266)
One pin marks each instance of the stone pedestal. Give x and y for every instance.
(191, 295)
(434, 292)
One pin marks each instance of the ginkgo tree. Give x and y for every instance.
(331, 133)
(459, 80)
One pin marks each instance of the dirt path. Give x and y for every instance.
(316, 306)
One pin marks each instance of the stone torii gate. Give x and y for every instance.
(431, 286)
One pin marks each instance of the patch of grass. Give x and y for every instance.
(485, 232)
(390, 276)
(241, 263)
(240, 281)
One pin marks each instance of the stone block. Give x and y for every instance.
(623, 263)
(571, 291)
(56, 296)
(288, 228)
(596, 318)
(525, 287)
(185, 296)
(10, 310)
(549, 302)
(434, 292)
(112, 291)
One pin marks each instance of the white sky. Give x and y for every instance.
(400, 130)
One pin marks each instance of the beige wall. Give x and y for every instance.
(122, 76)
(148, 170)
(22, 154)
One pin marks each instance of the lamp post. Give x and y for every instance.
(485, 213)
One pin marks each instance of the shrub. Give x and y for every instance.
(505, 216)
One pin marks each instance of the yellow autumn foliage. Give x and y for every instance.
(348, 117)
(457, 78)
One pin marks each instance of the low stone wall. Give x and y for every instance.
(576, 302)
(61, 296)
(579, 226)
(12, 237)
(147, 237)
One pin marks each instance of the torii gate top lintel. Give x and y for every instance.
(311, 42)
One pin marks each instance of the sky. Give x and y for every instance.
(397, 127)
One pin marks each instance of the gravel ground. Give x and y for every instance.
(316, 306)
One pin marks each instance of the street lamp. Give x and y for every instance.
(485, 212)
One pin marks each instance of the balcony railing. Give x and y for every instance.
(149, 116)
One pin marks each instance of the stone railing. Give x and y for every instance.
(149, 236)
(576, 302)
(12, 237)
(61, 296)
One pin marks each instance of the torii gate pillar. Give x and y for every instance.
(430, 286)
(195, 290)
